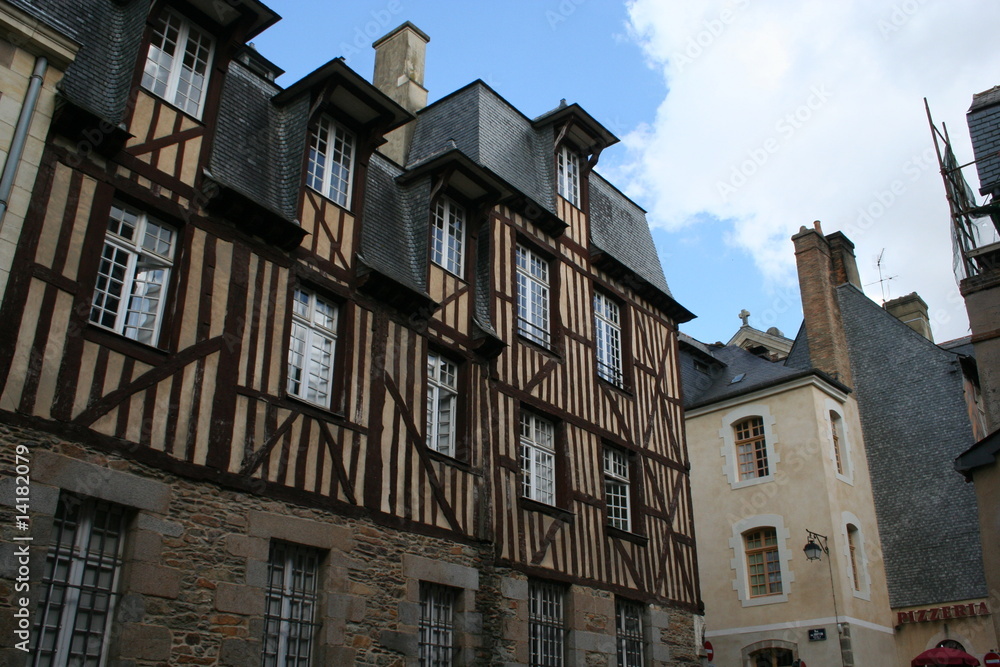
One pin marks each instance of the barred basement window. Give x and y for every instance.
(628, 615)
(290, 605)
(442, 396)
(312, 347)
(532, 296)
(448, 236)
(751, 448)
(538, 458)
(617, 488)
(79, 585)
(331, 161)
(133, 275)
(177, 63)
(569, 175)
(546, 625)
(608, 339)
(437, 625)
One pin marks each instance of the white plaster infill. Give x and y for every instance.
(807, 623)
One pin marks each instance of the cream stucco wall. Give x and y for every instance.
(803, 492)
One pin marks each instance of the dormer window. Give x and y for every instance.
(448, 236)
(331, 161)
(177, 63)
(569, 175)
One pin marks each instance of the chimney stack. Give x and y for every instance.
(911, 311)
(823, 263)
(399, 73)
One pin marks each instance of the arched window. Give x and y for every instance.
(763, 564)
(836, 429)
(751, 448)
(852, 545)
(772, 657)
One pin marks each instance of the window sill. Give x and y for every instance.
(620, 388)
(547, 350)
(530, 505)
(344, 207)
(147, 354)
(454, 462)
(620, 534)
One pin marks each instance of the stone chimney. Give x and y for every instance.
(823, 263)
(911, 311)
(399, 73)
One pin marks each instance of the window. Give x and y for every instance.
(545, 625)
(331, 161)
(442, 397)
(290, 605)
(133, 275)
(608, 338)
(569, 176)
(78, 588)
(751, 448)
(616, 488)
(852, 543)
(311, 348)
(763, 565)
(628, 621)
(448, 236)
(437, 626)
(177, 63)
(532, 296)
(538, 458)
(772, 657)
(835, 433)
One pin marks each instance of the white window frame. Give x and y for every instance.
(133, 277)
(291, 605)
(538, 458)
(608, 339)
(741, 578)
(727, 433)
(338, 148)
(617, 488)
(569, 175)
(437, 624)
(546, 624)
(79, 555)
(312, 347)
(171, 86)
(533, 296)
(448, 236)
(629, 632)
(442, 403)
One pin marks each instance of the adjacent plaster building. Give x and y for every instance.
(318, 374)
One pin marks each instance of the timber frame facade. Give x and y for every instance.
(180, 404)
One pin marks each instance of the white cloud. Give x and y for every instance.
(781, 113)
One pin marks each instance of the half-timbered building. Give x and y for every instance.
(318, 374)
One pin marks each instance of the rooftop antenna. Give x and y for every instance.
(881, 279)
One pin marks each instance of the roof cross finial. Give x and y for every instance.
(744, 315)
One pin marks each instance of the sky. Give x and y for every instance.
(740, 122)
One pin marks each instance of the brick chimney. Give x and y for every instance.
(399, 73)
(911, 311)
(823, 264)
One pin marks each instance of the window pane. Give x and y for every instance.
(751, 448)
(312, 348)
(177, 63)
(532, 296)
(442, 396)
(538, 459)
(290, 605)
(546, 625)
(629, 633)
(437, 642)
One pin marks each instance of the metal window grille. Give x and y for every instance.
(133, 275)
(532, 296)
(616, 488)
(79, 585)
(311, 348)
(442, 397)
(331, 161)
(448, 236)
(290, 605)
(546, 625)
(763, 566)
(177, 63)
(569, 176)
(628, 615)
(751, 448)
(608, 339)
(437, 625)
(538, 458)
(835, 432)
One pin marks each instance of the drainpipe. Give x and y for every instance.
(21, 134)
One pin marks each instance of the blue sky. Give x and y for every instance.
(740, 122)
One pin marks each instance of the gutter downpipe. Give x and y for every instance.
(21, 134)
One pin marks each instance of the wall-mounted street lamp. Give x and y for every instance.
(815, 547)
